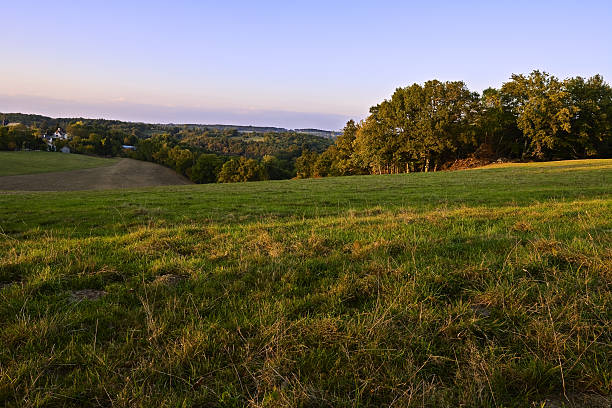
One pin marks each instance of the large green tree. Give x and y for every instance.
(496, 126)
(543, 110)
(591, 124)
(419, 128)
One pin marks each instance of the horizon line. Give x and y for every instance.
(125, 111)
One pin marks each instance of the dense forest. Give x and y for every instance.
(441, 125)
(20, 137)
(428, 127)
(228, 157)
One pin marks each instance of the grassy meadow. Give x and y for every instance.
(479, 288)
(16, 163)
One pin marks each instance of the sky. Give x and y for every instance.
(291, 64)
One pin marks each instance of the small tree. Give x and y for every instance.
(275, 168)
(180, 159)
(242, 169)
(206, 168)
(304, 165)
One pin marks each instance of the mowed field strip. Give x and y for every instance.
(44, 171)
(480, 288)
(17, 163)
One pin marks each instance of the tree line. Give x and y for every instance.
(20, 137)
(203, 166)
(432, 126)
(85, 138)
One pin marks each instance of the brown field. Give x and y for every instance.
(126, 173)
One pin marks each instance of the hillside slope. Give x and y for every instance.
(478, 288)
(118, 174)
(16, 163)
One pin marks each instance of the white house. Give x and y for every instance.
(60, 134)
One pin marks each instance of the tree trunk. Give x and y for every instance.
(426, 165)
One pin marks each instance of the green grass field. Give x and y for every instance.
(479, 288)
(14, 163)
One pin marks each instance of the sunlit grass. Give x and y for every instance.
(473, 288)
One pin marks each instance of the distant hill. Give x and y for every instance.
(147, 129)
(318, 132)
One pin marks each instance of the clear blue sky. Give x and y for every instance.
(283, 63)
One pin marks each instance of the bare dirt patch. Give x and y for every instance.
(127, 173)
(169, 280)
(87, 294)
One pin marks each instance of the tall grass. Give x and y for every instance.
(483, 288)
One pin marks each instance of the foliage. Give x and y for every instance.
(591, 126)
(305, 164)
(285, 145)
(206, 168)
(542, 108)
(430, 126)
(241, 169)
(277, 169)
(20, 138)
(94, 139)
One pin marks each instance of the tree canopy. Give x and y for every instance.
(431, 126)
